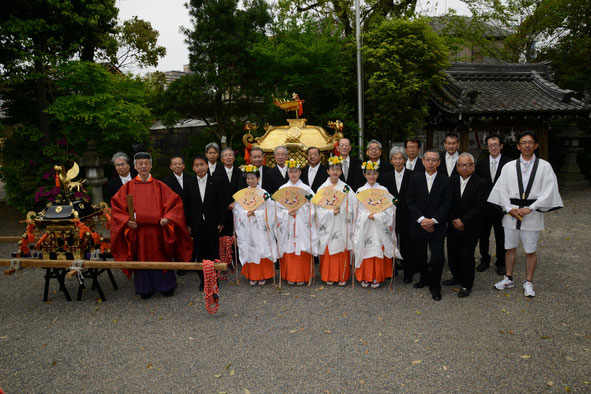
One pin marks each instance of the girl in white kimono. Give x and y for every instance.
(373, 242)
(335, 229)
(296, 234)
(255, 235)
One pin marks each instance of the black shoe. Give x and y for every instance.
(449, 282)
(407, 280)
(482, 267)
(485, 259)
(168, 293)
(464, 292)
(436, 296)
(501, 270)
(145, 296)
(419, 285)
(181, 272)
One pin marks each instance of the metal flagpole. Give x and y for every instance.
(359, 78)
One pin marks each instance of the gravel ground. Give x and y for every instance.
(317, 339)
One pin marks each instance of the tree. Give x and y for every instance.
(138, 45)
(221, 85)
(403, 60)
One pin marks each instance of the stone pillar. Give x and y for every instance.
(95, 176)
(569, 176)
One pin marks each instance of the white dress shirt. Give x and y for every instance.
(410, 164)
(179, 179)
(126, 179)
(312, 171)
(202, 185)
(430, 182)
(450, 162)
(212, 167)
(229, 173)
(399, 176)
(493, 163)
(260, 182)
(283, 170)
(346, 165)
(463, 183)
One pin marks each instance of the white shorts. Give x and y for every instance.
(529, 239)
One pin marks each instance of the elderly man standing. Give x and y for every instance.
(278, 174)
(526, 188)
(468, 199)
(121, 163)
(257, 157)
(352, 174)
(157, 232)
(177, 179)
(429, 202)
(397, 183)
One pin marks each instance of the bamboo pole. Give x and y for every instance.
(143, 265)
(10, 239)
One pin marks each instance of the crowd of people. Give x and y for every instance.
(442, 196)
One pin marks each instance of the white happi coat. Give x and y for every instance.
(371, 235)
(255, 235)
(334, 229)
(304, 239)
(544, 190)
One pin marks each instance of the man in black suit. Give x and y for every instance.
(315, 173)
(205, 212)
(429, 202)
(352, 174)
(374, 153)
(468, 199)
(397, 184)
(449, 158)
(124, 174)
(256, 159)
(232, 180)
(177, 179)
(489, 169)
(278, 174)
(413, 147)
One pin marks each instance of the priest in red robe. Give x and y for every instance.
(157, 233)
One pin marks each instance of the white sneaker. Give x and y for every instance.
(506, 283)
(528, 289)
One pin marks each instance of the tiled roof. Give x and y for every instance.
(479, 89)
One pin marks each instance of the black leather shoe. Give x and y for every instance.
(464, 292)
(501, 270)
(449, 282)
(419, 285)
(145, 296)
(436, 297)
(168, 293)
(407, 280)
(482, 267)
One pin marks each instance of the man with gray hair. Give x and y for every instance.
(397, 183)
(122, 166)
(278, 174)
(212, 152)
(468, 199)
(374, 153)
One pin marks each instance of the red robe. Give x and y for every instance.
(150, 241)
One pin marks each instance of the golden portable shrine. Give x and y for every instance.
(68, 232)
(297, 136)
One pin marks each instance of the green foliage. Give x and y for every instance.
(403, 60)
(91, 103)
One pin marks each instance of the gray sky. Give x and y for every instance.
(167, 16)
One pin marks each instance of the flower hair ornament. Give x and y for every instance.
(249, 169)
(370, 166)
(335, 160)
(293, 164)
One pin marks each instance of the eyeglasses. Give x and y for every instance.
(494, 145)
(465, 165)
(431, 160)
(527, 143)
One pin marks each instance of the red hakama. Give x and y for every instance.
(374, 268)
(296, 268)
(262, 271)
(336, 267)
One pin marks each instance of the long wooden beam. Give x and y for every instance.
(10, 239)
(144, 265)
